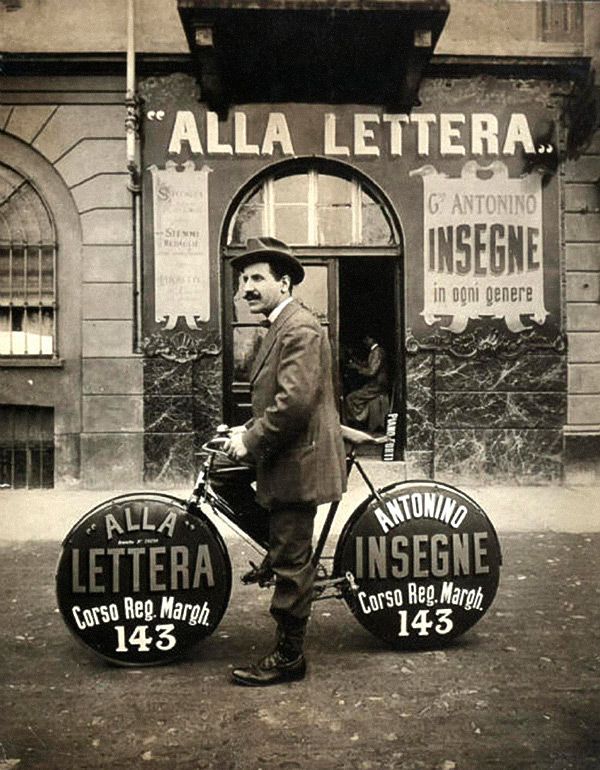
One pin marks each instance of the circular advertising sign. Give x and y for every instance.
(140, 579)
(425, 562)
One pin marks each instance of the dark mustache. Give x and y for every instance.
(251, 295)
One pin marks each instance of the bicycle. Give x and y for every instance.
(144, 576)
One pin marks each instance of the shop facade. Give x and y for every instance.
(425, 231)
(460, 231)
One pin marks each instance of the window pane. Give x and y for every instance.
(312, 292)
(18, 276)
(30, 334)
(26, 446)
(248, 223)
(246, 342)
(47, 274)
(4, 274)
(19, 467)
(33, 273)
(334, 225)
(291, 189)
(5, 466)
(47, 475)
(376, 229)
(332, 189)
(291, 224)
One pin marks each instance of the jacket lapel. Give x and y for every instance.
(271, 336)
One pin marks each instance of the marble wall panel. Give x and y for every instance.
(419, 465)
(542, 372)
(169, 459)
(207, 388)
(182, 408)
(165, 378)
(168, 414)
(521, 456)
(460, 453)
(500, 410)
(419, 402)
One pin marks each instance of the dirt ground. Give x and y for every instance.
(520, 690)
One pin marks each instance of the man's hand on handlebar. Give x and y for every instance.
(234, 447)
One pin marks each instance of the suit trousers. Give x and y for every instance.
(290, 552)
(286, 531)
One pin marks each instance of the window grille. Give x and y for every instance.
(313, 209)
(27, 269)
(26, 447)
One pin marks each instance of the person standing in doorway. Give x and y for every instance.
(294, 439)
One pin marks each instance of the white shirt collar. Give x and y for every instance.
(373, 346)
(276, 311)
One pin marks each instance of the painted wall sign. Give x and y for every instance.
(354, 134)
(461, 125)
(483, 247)
(426, 561)
(140, 580)
(181, 244)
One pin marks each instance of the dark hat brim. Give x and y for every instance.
(289, 264)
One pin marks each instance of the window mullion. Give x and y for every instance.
(10, 299)
(25, 302)
(269, 208)
(313, 234)
(356, 213)
(39, 308)
(54, 303)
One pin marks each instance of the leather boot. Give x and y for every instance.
(285, 664)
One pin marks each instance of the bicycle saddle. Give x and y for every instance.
(359, 437)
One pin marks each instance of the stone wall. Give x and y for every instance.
(582, 249)
(487, 418)
(77, 126)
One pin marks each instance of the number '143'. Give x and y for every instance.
(441, 623)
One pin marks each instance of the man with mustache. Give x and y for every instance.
(294, 440)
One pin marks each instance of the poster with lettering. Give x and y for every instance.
(181, 244)
(425, 560)
(483, 247)
(140, 580)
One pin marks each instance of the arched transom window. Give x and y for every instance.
(27, 269)
(312, 208)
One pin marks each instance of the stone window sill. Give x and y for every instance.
(25, 362)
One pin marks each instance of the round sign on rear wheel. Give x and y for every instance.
(425, 560)
(140, 580)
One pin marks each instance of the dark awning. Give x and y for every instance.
(356, 51)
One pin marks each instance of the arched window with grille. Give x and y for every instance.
(27, 269)
(348, 239)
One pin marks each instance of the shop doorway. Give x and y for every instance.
(349, 243)
(368, 297)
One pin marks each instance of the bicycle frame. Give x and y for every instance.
(204, 494)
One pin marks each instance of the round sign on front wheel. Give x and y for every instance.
(140, 580)
(425, 562)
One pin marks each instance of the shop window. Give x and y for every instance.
(26, 447)
(27, 269)
(313, 209)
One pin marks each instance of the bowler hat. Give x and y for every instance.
(273, 251)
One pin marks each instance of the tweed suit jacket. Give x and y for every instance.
(294, 435)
